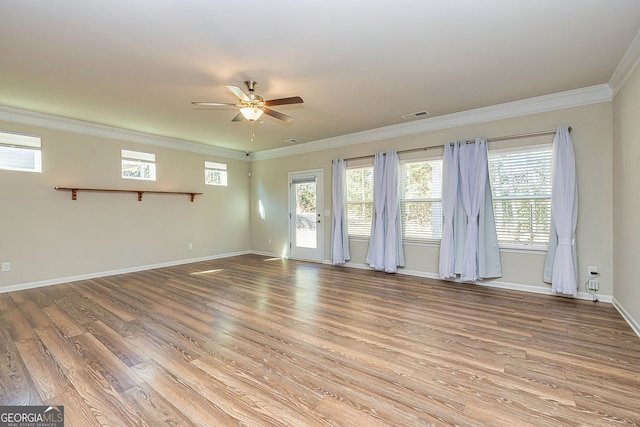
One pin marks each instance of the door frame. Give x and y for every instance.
(319, 177)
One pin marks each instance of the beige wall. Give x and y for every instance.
(46, 236)
(626, 197)
(592, 137)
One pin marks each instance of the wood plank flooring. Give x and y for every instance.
(267, 342)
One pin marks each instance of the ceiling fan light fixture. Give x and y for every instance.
(253, 106)
(251, 113)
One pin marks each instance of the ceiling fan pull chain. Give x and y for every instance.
(253, 135)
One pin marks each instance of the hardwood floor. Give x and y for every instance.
(269, 342)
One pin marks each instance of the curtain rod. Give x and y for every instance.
(495, 138)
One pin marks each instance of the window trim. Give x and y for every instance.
(347, 203)
(523, 247)
(417, 240)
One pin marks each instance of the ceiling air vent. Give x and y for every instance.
(418, 115)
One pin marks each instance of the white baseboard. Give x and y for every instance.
(57, 281)
(488, 283)
(625, 314)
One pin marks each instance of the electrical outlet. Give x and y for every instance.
(592, 269)
(190, 246)
(6, 266)
(592, 285)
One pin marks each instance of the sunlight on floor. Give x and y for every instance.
(207, 271)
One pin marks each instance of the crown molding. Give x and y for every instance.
(626, 66)
(539, 104)
(47, 121)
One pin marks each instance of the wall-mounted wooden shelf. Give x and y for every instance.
(74, 192)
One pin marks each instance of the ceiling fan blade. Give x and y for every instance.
(213, 104)
(284, 101)
(238, 92)
(237, 118)
(278, 115)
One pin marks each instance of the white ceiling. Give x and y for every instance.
(358, 65)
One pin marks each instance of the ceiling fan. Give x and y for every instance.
(252, 106)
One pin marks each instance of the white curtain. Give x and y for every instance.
(375, 255)
(488, 252)
(561, 263)
(475, 250)
(394, 253)
(473, 164)
(339, 235)
(449, 201)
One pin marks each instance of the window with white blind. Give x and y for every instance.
(20, 152)
(421, 200)
(138, 165)
(521, 187)
(215, 173)
(359, 201)
(520, 183)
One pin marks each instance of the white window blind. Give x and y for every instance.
(521, 188)
(421, 199)
(359, 201)
(20, 152)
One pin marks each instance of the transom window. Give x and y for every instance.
(20, 152)
(215, 173)
(138, 165)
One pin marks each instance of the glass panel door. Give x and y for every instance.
(305, 216)
(305, 193)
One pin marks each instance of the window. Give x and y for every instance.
(520, 183)
(20, 152)
(359, 201)
(138, 165)
(421, 199)
(215, 173)
(521, 187)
